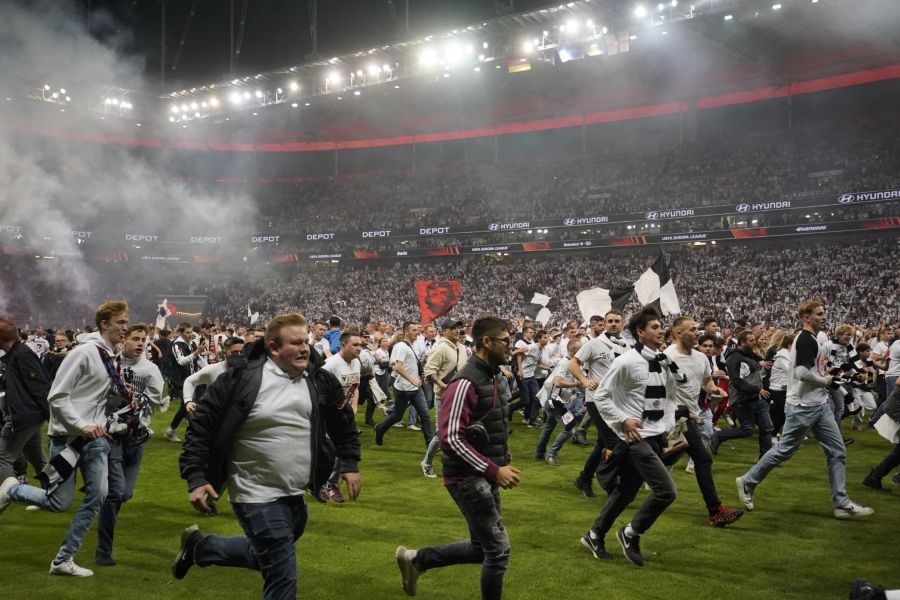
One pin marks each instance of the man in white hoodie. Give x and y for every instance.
(78, 398)
(145, 385)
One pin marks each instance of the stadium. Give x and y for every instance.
(218, 166)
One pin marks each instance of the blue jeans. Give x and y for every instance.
(488, 543)
(124, 465)
(706, 428)
(750, 414)
(554, 415)
(435, 444)
(530, 403)
(94, 472)
(402, 399)
(272, 529)
(799, 421)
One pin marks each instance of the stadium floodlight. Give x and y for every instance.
(46, 87)
(294, 86)
(527, 47)
(196, 115)
(660, 7)
(54, 95)
(357, 93)
(359, 73)
(279, 91)
(193, 106)
(258, 93)
(246, 95)
(446, 75)
(214, 102)
(204, 104)
(673, 3)
(605, 30)
(572, 26)
(485, 45)
(374, 70)
(62, 91)
(68, 99)
(171, 119)
(427, 58)
(386, 68)
(589, 23)
(235, 98)
(470, 49)
(294, 105)
(477, 69)
(184, 117)
(114, 101)
(632, 37)
(728, 17)
(640, 11)
(334, 77)
(453, 53)
(255, 114)
(306, 104)
(776, 7)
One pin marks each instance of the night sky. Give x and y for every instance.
(276, 32)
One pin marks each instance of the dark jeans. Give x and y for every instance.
(776, 410)
(402, 399)
(606, 438)
(124, 465)
(366, 397)
(751, 414)
(16, 446)
(890, 462)
(640, 464)
(272, 529)
(702, 467)
(488, 543)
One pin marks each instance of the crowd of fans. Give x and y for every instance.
(830, 159)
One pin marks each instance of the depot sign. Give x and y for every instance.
(137, 237)
(377, 234)
(265, 239)
(205, 240)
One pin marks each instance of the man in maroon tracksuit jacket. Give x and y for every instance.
(475, 462)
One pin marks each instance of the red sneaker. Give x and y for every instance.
(725, 516)
(333, 493)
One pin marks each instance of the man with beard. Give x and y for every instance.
(475, 463)
(78, 399)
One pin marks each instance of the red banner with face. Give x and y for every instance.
(436, 298)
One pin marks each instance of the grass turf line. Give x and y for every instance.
(789, 547)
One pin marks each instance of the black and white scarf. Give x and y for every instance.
(62, 466)
(614, 344)
(655, 391)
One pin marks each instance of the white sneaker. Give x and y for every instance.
(5, 500)
(32, 507)
(69, 568)
(428, 470)
(409, 574)
(171, 435)
(414, 427)
(399, 425)
(745, 494)
(852, 510)
(690, 467)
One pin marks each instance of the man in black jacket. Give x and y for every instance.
(260, 432)
(26, 403)
(748, 397)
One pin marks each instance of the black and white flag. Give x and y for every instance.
(538, 306)
(655, 287)
(598, 301)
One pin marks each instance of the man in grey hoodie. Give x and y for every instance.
(78, 398)
(131, 430)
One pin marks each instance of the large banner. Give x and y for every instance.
(436, 298)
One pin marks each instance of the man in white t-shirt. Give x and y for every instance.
(407, 385)
(344, 365)
(698, 374)
(527, 353)
(807, 410)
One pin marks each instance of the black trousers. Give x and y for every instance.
(606, 438)
(640, 464)
(702, 467)
(890, 462)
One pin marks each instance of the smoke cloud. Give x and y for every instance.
(57, 189)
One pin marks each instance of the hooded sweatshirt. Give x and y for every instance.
(153, 382)
(79, 394)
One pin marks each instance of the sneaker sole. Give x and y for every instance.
(408, 583)
(89, 573)
(855, 515)
(185, 538)
(590, 548)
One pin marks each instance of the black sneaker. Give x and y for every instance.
(585, 487)
(184, 560)
(874, 482)
(579, 438)
(715, 443)
(104, 560)
(595, 547)
(379, 437)
(861, 589)
(631, 546)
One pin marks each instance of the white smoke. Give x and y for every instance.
(54, 182)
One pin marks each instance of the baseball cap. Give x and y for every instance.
(449, 323)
